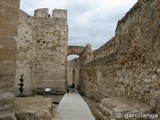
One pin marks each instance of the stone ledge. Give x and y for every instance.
(109, 108)
(7, 116)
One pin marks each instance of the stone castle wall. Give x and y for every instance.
(42, 50)
(133, 70)
(86, 55)
(26, 51)
(9, 11)
(106, 49)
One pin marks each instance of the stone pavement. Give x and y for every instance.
(73, 107)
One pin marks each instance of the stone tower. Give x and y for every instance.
(42, 50)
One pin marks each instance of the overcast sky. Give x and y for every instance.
(89, 21)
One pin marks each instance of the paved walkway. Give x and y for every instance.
(73, 107)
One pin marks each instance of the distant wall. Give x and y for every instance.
(106, 49)
(134, 69)
(42, 51)
(9, 11)
(86, 55)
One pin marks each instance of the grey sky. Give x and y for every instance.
(89, 21)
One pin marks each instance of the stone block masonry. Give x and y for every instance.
(9, 11)
(123, 108)
(42, 51)
(133, 68)
(26, 50)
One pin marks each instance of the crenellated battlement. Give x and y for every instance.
(59, 13)
(43, 12)
(56, 13)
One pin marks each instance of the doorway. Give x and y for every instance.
(73, 78)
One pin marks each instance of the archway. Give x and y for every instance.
(73, 65)
(75, 50)
(73, 72)
(71, 57)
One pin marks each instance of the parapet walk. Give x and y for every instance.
(73, 107)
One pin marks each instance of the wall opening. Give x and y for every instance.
(73, 77)
(71, 57)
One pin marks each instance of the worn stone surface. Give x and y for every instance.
(121, 108)
(35, 108)
(42, 51)
(9, 11)
(8, 48)
(25, 52)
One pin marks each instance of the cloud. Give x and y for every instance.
(91, 21)
(96, 24)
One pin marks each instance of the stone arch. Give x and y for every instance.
(76, 50)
